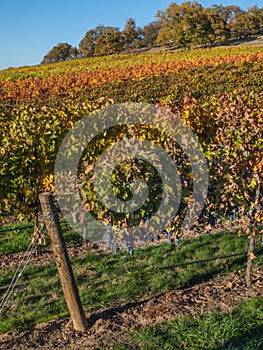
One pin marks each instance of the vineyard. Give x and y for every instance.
(217, 93)
(208, 93)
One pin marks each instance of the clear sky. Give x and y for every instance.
(30, 28)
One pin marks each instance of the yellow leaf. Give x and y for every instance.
(251, 256)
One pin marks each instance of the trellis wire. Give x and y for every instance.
(17, 228)
(17, 275)
(23, 228)
(22, 265)
(200, 261)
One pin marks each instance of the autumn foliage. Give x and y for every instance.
(217, 93)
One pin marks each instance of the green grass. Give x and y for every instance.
(18, 238)
(240, 329)
(106, 279)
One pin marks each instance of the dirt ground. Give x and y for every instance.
(109, 326)
(252, 41)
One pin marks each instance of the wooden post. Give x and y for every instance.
(250, 256)
(85, 235)
(253, 222)
(63, 263)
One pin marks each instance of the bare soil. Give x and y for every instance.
(253, 41)
(250, 41)
(45, 255)
(112, 325)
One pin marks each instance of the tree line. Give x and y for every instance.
(182, 26)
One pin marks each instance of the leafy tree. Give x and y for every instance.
(109, 43)
(244, 24)
(150, 33)
(257, 13)
(226, 12)
(226, 15)
(220, 31)
(189, 24)
(60, 52)
(88, 43)
(130, 33)
(183, 25)
(170, 20)
(102, 40)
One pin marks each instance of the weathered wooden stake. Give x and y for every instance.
(253, 222)
(85, 235)
(250, 256)
(63, 263)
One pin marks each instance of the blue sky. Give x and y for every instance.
(30, 28)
